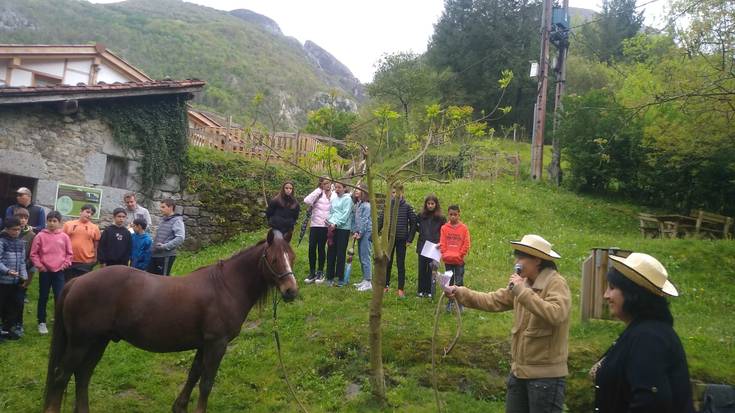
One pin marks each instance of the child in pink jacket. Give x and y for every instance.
(51, 253)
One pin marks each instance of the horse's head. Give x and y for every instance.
(278, 258)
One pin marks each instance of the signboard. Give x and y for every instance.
(70, 198)
(534, 69)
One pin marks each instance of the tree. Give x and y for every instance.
(474, 41)
(328, 121)
(404, 79)
(603, 38)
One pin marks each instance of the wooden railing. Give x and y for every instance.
(294, 146)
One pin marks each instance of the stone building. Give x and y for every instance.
(49, 135)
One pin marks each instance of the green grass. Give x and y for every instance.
(324, 332)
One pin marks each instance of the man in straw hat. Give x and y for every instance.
(540, 300)
(645, 370)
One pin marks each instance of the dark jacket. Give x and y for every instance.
(36, 218)
(406, 224)
(645, 370)
(115, 245)
(429, 229)
(282, 218)
(12, 258)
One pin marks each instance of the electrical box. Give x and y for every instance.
(560, 18)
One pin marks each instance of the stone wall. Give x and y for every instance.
(38, 142)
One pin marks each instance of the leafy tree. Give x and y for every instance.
(601, 142)
(329, 121)
(405, 80)
(475, 40)
(603, 38)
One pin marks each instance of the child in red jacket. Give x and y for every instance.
(454, 244)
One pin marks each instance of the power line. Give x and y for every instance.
(619, 12)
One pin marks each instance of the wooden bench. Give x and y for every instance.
(649, 225)
(712, 225)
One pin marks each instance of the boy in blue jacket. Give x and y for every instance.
(13, 273)
(140, 255)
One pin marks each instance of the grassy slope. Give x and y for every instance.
(324, 333)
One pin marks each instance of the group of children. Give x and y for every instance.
(64, 250)
(326, 203)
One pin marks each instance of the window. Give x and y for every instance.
(116, 172)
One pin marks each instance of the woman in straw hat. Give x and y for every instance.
(645, 370)
(540, 300)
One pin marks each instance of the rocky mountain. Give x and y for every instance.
(240, 53)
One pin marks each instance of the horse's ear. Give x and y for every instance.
(269, 237)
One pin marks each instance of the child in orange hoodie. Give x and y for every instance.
(454, 244)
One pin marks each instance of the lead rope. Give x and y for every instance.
(447, 349)
(280, 357)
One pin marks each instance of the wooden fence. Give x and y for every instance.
(293, 146)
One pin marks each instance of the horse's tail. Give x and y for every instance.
(58, 346)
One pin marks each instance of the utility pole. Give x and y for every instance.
(561, 41)
(537, 144)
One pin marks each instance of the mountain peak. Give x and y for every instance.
(260, 20)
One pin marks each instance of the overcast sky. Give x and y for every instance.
(358, 32)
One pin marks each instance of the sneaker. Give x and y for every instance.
(9, 335)
(319, 280)
(329, 283)
(367, 287)
(339, 284)
(42, 328)
(401, 294)
(429, 296)
(25, 301)
(420, 295)
(310, 279)
(18, 330)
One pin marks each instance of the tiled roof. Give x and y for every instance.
(100, 87)
(61, 92)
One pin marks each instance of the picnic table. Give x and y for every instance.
(697, 223)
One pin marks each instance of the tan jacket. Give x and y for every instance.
(540, 332)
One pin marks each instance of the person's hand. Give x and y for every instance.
(41, 268)
(13, 273)
(450, 291)
(438, 246)
(515, 279)
(357, 235)
(158, 246)
(24, 285)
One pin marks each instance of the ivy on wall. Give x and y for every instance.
(229, 185)
(157, 128)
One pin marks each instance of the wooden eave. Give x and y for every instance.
(39, 51)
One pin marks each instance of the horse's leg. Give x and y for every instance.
(211, 357)
(83, 374)
(74, 354)
(194, 373)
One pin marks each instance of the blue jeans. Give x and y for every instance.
(47, 281)
(535, 395)
(365, 251)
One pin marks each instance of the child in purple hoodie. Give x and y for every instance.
(51, 253)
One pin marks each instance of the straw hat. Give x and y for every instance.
(645, 271)
(536, 246)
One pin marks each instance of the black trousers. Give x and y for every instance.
(161, 265)
(336, 254)
(425, 275)
(77, 269)
(9, 305)
(317, 244)
(399, 251)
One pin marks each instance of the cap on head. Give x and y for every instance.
(24, 191)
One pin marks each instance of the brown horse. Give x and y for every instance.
(203, 310)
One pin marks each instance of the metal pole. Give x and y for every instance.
(537, 145)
